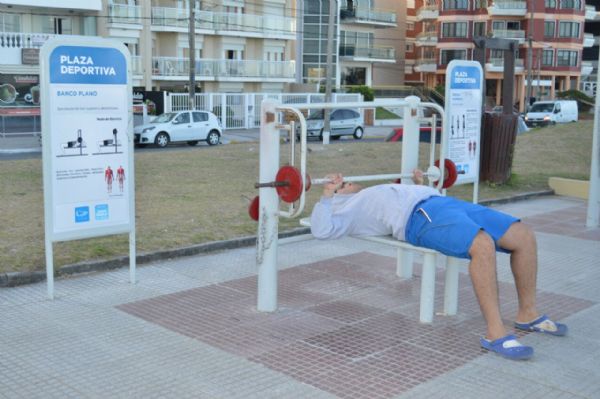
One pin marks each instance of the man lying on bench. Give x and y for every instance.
(421, 216)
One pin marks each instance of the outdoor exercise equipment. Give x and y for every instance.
(288, 180)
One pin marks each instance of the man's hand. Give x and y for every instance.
(417, 176)
(336, 183)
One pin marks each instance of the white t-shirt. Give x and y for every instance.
(378, 210)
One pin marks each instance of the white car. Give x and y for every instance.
(186, 126)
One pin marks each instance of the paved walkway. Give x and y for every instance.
(346, 327)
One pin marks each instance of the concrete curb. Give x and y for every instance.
(14, 279)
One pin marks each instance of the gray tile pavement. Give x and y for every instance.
(81, 345)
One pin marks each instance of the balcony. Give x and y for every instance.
(426, 65)
(173, 68)
(587, 67)
(497, 65)
(136, 65)
(588, 40)
(591, 13)
(508, 8)
(208, 22)
(427, 38)
(368, 16)
(518, 35)
(369, 54)
(255, 25)
(124, 14)
(13, 43)
(428, 12)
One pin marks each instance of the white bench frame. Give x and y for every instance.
(269, 210)
(404, 269)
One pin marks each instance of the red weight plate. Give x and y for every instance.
(308, 183)
(293, 189)
(450, 173)
(253, 208)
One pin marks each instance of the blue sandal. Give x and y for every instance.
(544, 325)
(508, 347)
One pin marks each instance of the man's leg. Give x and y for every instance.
(520, 239)
(482, 270)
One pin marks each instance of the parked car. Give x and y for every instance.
(184, 126)
(343, 122)
(543, 113)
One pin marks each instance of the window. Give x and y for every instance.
(568, 29)
(410, 47)
(478, 29)
(454, 29)
(56, 25)
(10, 22)
(456, 4)
(549, 27)
(570, 4)
(550, 3)
(566, 58)
(200, 116)
(183, 118)
(410, 26)
(480, 4)
(548, 58)
(448, 55)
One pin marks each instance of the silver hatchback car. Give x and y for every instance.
(343, 122)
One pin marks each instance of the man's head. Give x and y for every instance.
(348, 188)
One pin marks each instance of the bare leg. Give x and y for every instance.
(482, 270)
(520, 239)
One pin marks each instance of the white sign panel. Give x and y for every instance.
(464, 80)
(88, 148)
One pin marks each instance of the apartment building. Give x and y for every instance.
(240, 45)
(444, 30)
(357, 50)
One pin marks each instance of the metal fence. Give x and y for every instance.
(242, 111)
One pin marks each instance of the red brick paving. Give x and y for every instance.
(348, 325)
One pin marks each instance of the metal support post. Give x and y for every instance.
(267, 236)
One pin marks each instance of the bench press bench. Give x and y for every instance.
(404, 269)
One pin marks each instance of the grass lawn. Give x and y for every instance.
(191, 196)
(382, 113)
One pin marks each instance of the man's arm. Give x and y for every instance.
(324, 224)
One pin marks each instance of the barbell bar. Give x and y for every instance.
(289, 185)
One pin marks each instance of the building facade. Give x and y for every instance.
(553, 30)
(358, 47)
(240, 45)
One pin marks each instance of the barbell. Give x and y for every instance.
(289, 186)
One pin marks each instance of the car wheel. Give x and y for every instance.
(161, 139)
(321, 135)
(213, 137)
(192, 142)
(335, 137)
(358, 133)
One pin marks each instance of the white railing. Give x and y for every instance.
(23, 40)
(382, 53)
(428, 12)
(373, 15)
(499, 62)
(170, 17)
(249, 69)
(510, 4)
(136, 65)
(242, 111)
(124, 14)
(509, 34)
(275, 25)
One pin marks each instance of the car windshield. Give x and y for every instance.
(318, 114)
(542, 107)
(164, 117)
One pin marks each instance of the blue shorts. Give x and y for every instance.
(450, 225)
